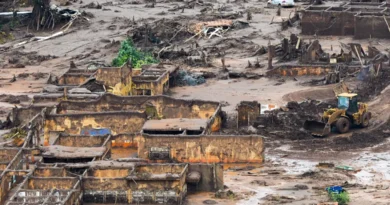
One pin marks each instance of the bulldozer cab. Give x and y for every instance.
(348, 101)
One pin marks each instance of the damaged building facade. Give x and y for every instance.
(78, 154)
(123, 81)
(358, 19)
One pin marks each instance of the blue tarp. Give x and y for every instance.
(335, 189)
(95, 131)
(364, 73)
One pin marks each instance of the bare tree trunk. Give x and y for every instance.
(41, 15)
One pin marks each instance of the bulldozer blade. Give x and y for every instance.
(318, 129)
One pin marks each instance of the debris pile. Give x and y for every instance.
(184, 78)
(46, 15)
(17, 135)
(161, 33)
(13, 99)
(366, 138)
(374, 83)
(287, 122)
(20, 59)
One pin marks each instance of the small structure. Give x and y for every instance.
(247, 113)
(75, 77)
(151, 82)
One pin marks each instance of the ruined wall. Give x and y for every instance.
(107, 102)
(125, 140)
(247, 112)
(3, 165)
(109, 173)
(300, 70)
(117, 122)
(122, 190)
(156, 87)
(73, 78)
(74, 198)
(80, 141)
(105, 184)
(102, 190)
(53, 99)
(113, 75)
(160, 168)
(370, 26)
(21, 116)
(12, 178)
(17, 160)
(207, 149)
(175, 108)
(50, 172)
(51, 183)
(165, 107)
(211, 177)
(327, 22)
(7, 155)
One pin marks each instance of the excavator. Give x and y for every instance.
(349, 112)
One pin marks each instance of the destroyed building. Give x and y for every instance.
(123, 81)
(80, 160)
(358, 19)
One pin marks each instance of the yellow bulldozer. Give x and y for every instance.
(348, 112)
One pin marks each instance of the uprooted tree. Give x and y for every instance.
(42, 16)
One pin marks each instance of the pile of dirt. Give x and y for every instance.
(208, 14)
(357, 139)
(366, 138)
(373, 85)
(327, 175)
(83, 22)
(36, 76)
(92, 5)
(19, 59)
(14, 99)
(287, 122)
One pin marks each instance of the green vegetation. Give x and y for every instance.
(5, 37)
(129, 51)
(16, 133)
(342, 198)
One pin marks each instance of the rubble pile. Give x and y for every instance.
(287, 122)
(20, 59)
(374, 84)
(184, 78)
(160, 33)
(370, 137)
(46, 15)
(14, 99)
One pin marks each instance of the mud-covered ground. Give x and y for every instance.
(290, 174)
